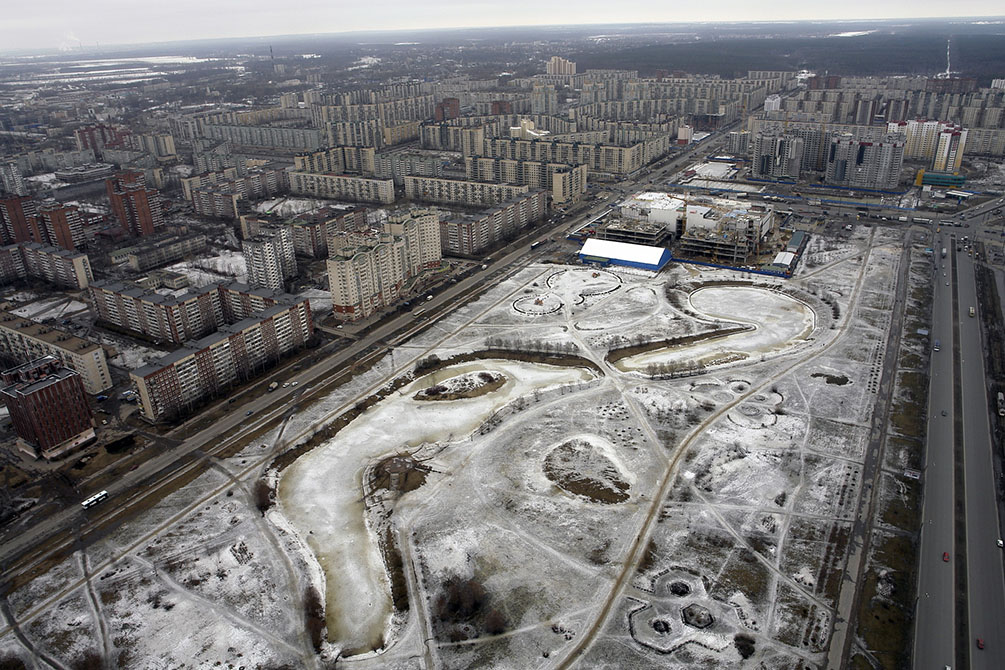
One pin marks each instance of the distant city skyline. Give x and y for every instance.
(70, 24)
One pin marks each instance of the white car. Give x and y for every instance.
(294, 383)
(1001, 544)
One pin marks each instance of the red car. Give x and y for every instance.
(945, 556)
(980, 643)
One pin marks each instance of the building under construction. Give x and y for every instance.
(725, 231)
(633, 231)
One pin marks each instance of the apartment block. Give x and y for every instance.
(138, 208)
(395, 165)
(859, 163)
(559, 65)
(16, 214)
(284, 140)
(564, 182)
(11, 180)
(343, 187)
(59, 225)
(178, 319)
(181, 381)
(777, 155)
(52, 264)
(48, 408)
(368, 271)
(270, 257)
(26, 340)
(601, 158)
(949, 150)
(460, 192)
(338, 160)
(163, 251)
(470, 235)
(206, 179)
(219, 202)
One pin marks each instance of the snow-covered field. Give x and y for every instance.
(226, 265)
(533, 495)
(292, 206)
(51, 308)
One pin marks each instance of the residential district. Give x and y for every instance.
(742, 338)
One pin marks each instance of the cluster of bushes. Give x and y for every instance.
(464, 601)
(314, 617)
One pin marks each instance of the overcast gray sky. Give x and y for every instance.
(45, 24)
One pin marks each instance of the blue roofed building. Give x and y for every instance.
(608, 252)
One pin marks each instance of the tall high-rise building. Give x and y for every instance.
(738, 142)
(777, 155)
(937, 141)
(864, 162)
(16, 214)
(59, 225)
(949, 150)
(270, 257)
(48, 407)
(137, 208)
(10, 179)
(773, 103)
(559, 65)
(543, 99)
(367, 272)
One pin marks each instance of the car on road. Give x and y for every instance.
(980, 643)
(1000, 543)
(943, 412)
(947, 283)
(294, 383)
(249, 412)
(945, 556)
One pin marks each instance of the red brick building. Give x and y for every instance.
(138, 209)
(16, 212)
(48, 407)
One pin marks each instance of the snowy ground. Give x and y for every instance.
(51, 308)
(226, 265)
(760, 457)
(291, 206)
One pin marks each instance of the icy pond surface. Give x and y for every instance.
(779, 322)
(321, 493)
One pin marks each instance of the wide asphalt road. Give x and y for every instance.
(934, 625)
(986, 580)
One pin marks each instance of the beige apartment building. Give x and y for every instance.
(460, 192)
(342, 187)
(369, 271)
(565, 183)
(27, 340)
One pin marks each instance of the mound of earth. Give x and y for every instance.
(582, 469)
(468, 385)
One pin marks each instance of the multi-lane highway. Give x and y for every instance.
(985, 579)
(962, 599)
(935, 623)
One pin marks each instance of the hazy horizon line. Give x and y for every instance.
(86, 47)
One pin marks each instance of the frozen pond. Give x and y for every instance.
(321, 493)
(779, 322)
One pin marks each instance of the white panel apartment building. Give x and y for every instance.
(342, 187)
(270, 257)
(182, 380)
(367, 272)
(53, 264)
(456, 191)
